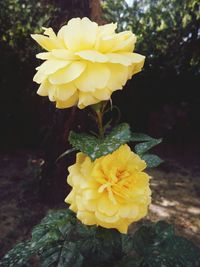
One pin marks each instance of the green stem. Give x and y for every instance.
(100, 123)
(99, 109)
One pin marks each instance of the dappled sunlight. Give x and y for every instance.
(175, 199)
(160, 211)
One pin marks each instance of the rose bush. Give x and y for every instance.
(112, 191)
(85, 63)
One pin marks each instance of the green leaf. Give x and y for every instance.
(130, 261)
(18, 256)
(70, 256)
(140, 137)
(95, 147)
(152, 160)
(50, 256)
(53, 228)
(142, 148)
(50, 233)
(102, 248)
(159, 246)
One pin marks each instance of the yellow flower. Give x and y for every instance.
(113, 191)
(85, 63)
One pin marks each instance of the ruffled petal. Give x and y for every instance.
(43, 90)
(80, 34)
(43, 41)
(106, 207)
(105, 218)
(92, 56)
(107, 29)
(64, 92)
(39, 77)
(86, 217)
(118, 76)
(44, 56)
(64, 54)
(127, 45)
(102, 94)
(72, 101)
(94, 77)
(51, 66)
(68, 74)
(86, 99)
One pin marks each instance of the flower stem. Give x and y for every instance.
(100, 123)
(99, 111)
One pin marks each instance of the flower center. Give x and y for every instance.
(117, 184)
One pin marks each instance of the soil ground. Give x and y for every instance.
(176, 197)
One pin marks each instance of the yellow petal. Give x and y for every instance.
(49, 32)
(112, 42)
(126, 43)
(44, 41)
(94, 77)
(64, 92)
(64, 54)
(102, 94)
(107, 219)
(106, 207)
(80, 157)
(105, 44)
(43, 89)
(72, 101)
(123, 227)
(52, 36)
(70, 198)
(135, 163)
(125, 59)
(90, 204)
(52, 92)
(44, 56)
(92, 56)
(118, 76)
(86, 217)
(68, 74)
(107, 29)
(122, 156)
(51, 66)
(86, 99)
(90, 194)
(39, 77)
(80, 34)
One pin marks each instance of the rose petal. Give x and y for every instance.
(68, 74)
(72, 101)
(94, 77)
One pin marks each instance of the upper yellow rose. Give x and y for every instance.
(85, 62)
(113, 191)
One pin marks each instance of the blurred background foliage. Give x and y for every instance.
(18, 104)
(166, 98)
(163, 100)
(167, 30)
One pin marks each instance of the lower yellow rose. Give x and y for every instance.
(113, 191)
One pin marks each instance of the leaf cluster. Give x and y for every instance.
(61, 240)
(121, 134)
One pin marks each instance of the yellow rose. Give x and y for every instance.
(113, 191)
(85, 62)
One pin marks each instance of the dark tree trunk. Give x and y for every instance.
(60, 122)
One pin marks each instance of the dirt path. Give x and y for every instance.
(176, 198)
